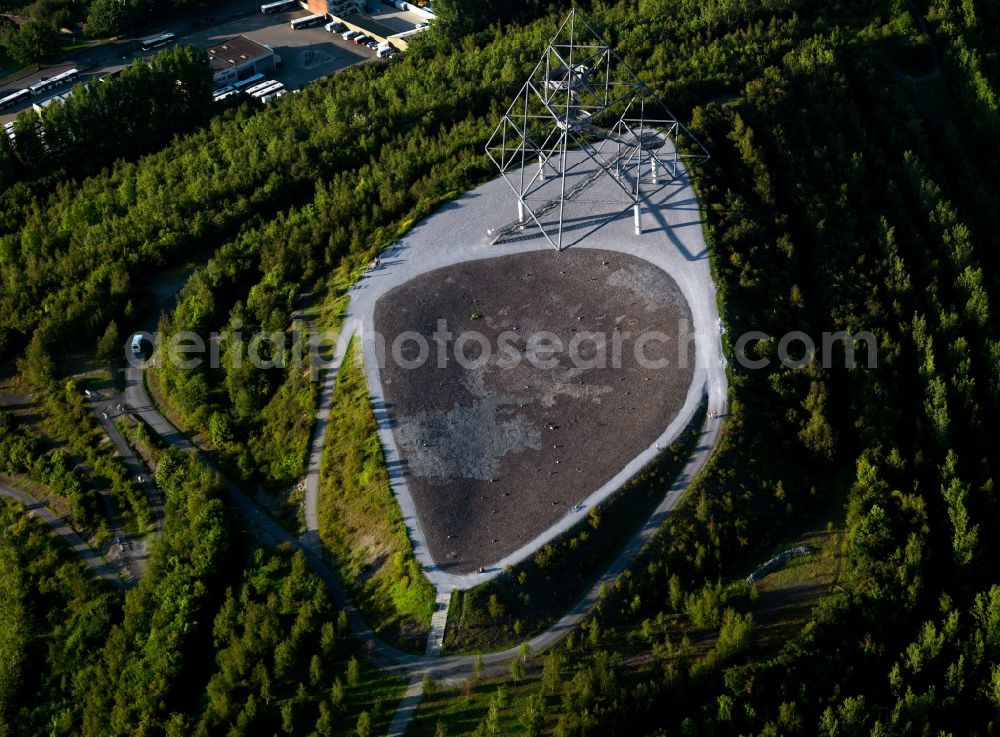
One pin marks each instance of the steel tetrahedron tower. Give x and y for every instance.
(583, 114)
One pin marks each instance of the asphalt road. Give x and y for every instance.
(133, 552)
(107, 411)
(59, 527)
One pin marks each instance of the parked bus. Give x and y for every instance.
(154, 43)
(278, 7)
(248, 82)
(60, 79)
(259, 86)
(308, 21)
(273, 87)
(222, 90)
(12, 98)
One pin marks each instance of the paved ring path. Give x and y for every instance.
(673, 241)
(676, 243)
(269, 532)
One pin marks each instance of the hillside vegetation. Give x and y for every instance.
(359, 520)
(852, 186)
(848, 190)
(206, 644)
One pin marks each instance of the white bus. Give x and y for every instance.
(60, 79)
(272, 95)
(278, 7)
(308, 21)
(154, 43)
(259, 86)
(248, 82)
(273, 87)
(10, 99)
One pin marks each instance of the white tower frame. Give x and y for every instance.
(582, 97)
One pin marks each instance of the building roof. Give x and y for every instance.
(399, 21)
(17, 20)
(236, 51)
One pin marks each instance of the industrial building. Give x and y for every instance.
(335, 8)
(375, 25)
(395, 28)
(240, 57)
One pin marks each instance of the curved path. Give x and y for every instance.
(270, 532)
(457, 232)
(60, 527)
(134, 549)
(673, 241)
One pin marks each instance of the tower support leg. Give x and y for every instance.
(541, 169)
(638, 219)
(520, 211)
(655, 171)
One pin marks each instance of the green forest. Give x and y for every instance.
(219, 637)
(852, 186)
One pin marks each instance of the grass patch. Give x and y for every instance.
(529, 597)
(142, 438)
(377, 693)
(69, 48)
(360, 523)
(8, 67)
(784, 599)
(690, 628)
(463, 708)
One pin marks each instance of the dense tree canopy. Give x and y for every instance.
(852, 186)
(32, 42)
(110, 17)
(123, 116)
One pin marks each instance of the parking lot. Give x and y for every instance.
(306, 55)
(396, 20)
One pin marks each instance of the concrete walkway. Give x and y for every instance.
(439, 621)
(412, 697)
(319, 435)
(672, 240)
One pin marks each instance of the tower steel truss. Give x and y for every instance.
(581, 99)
